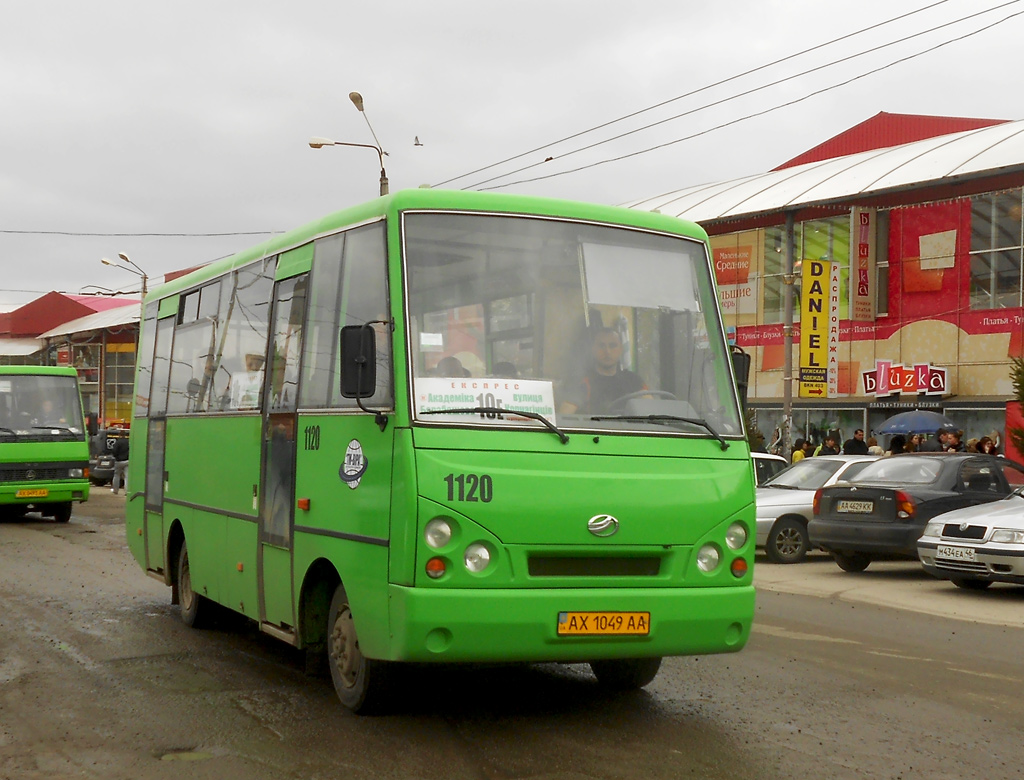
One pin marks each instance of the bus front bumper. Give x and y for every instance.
(24, 494)
(496, 625)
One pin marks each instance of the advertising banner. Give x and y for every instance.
(862, 264)
(735, 273)
(814, 320)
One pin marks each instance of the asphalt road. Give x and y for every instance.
(845, 676)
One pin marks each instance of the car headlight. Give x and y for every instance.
(477, 557)
(736, 536)
(437, 533)
(708, 558)
(1007, 536)
(933, 529)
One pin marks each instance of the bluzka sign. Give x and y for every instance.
(889, 378)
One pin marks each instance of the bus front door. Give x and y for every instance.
(277, 492)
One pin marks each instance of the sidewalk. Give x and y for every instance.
(898, 584)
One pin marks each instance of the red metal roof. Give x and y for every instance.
(884, 130)
(100, 302)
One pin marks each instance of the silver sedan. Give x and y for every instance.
(784, 503)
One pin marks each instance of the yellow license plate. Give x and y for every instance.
(604, 623)
(37, 493)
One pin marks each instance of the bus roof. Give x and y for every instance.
(425, 198)
(38, 371)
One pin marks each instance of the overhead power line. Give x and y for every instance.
(748, 116)
(693, 92)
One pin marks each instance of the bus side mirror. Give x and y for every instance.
(358, 361)
(741, 367)
(91, 423)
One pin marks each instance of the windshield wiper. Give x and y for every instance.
(667, 418)
(62, 428)
(498, 410)
(11, 431)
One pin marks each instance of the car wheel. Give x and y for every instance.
(972, 584)
(851, 562)
(62, 512)
(625, 674)
(360, 682)
(787, 542)
(195, 609)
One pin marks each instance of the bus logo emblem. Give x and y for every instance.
(354, 466)
(603, 525)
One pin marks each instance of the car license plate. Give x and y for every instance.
(860, 507)
(604, 623)
(956, 553)
(36, 493)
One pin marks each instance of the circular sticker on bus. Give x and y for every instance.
(355, 464)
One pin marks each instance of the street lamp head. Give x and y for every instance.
(357, 100)
(124, 257)
(317, 142)
(107, 261)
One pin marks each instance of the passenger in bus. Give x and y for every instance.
(450, 366)
(505, 370)
(605, 380)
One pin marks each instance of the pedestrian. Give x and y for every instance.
(120, 453)
(897, 445)
(953, 442)
(831, 445)
(873, 448)
(798, 449)
(938, 444)
(913, 443)
(856, 445)
(986, 446)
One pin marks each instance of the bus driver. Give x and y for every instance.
(605, 381)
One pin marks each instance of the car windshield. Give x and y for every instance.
(38, 407)
(807, 474)
(587, 326)
(916, 471)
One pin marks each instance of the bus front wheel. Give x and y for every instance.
(360, 682)
(62, 512)
(625, 674)
(195, 608)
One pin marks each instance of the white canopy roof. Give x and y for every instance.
(946, 158)
(121, 315)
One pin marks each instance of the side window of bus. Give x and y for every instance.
(239, 361)
(196, 341)
(349, 287)
(144, 382)
(161, 367)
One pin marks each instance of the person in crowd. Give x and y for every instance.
(120, 453)
(897, 445)
(605, 381)
(856, 445)
(831, 445)
(873, 447)
(938, 444)
(972, 445)
(986, 446)
(913, 443)
(798, 450)
(953, 442)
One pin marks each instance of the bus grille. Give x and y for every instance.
(29, 473)
(603, 566)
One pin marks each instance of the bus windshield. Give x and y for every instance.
(40, 407)
(587, 325)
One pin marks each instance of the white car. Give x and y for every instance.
(978, 545)
(767, 466)
(784, 503)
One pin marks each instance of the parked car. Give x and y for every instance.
(767, 466)
(784, 502)
(978, 545)
(884, 512)
(101, 458)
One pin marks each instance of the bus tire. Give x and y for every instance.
(62, 512)
(195, 609)
(360, 682)
(625, 674)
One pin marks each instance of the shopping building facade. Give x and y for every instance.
(919, 225)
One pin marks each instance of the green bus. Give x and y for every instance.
(451, 427)
(44, 452)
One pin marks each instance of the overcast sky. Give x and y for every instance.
(194, 117)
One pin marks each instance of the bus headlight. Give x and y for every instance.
(708, 558)
(437, 533)
(75, 473)
(477, 557)
(736, 536)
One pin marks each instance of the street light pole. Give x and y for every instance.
(318, 142)
(130, 267)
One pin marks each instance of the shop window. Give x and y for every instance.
(997, 242)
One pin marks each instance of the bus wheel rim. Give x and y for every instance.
(345, 653)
